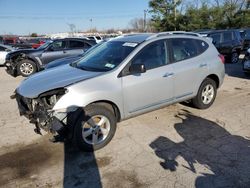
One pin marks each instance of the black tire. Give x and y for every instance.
(247, 74)
(234, 57)
(85, 116)
(198, 100)
(26, 63)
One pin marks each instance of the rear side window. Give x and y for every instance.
(201, 45)
(58, 45)
(183, 49)
(76, 44)
(216, 38)
(227, 37)
(152, 56)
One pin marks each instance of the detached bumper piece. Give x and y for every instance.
(10, 68)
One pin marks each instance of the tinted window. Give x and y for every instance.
(152, 56)
(76, 44)
(87, 45)
(106, 56)
(227, 36)
(98, 38)
(201, 45)
(183, 49)
(2, 48)
(58, 45)
(215, 37)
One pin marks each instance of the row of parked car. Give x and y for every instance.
(230, 43)
(233, 44)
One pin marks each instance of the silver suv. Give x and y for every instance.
(121, 78)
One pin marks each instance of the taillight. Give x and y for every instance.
(222, 58)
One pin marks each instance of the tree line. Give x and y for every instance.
(190, 15)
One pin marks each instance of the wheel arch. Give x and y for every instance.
(215, 78)
(109, 105)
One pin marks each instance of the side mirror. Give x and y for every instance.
(214, 42)
(137, 68)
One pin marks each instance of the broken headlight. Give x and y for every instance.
(50, 98)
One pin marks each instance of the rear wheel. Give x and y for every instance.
(26, 67)
(206, 94)
(94, 128)
(234, 57)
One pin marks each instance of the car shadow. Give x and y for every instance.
(235, 70)
(80, 168)
(207, 143)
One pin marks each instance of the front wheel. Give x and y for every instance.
(94, 128)
(26, 67)
(206, 94)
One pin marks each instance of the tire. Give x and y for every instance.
(247, 74)
(234, 57)
(97, 113)
(204, 102)
(26, 67)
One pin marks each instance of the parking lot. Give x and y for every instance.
(177, 146)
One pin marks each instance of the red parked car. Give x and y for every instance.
(37, 45)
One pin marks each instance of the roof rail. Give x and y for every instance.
(173, 33)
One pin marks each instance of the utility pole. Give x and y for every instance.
(175, 2)
(145, 20)
(91, 20)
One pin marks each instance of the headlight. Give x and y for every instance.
(7, 64)
(50, 98)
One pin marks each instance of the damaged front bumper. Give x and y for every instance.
(10, 68)
(40, 115)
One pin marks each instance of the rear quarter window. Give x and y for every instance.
(202, 46)
(184, 48)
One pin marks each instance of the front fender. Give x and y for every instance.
(72, 100)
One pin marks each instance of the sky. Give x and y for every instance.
(50, 16)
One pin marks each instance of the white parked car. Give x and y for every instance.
(4, 50)
(96, 38)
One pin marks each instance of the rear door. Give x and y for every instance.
(190, 66)
(56, 50)
(77, 47)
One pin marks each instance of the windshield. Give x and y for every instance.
(106, 56)
(45, 45)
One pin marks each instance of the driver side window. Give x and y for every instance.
(58, 45)
(152, 56)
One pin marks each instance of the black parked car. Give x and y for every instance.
(29, 61)
(245, 34)
(228, 43)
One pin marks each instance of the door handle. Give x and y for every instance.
(203, 65)
(168, 75)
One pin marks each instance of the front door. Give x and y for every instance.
(55, 51)
(149, 90)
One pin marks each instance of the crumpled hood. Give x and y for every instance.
(54, 78)
(25, 51)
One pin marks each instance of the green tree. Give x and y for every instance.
(34, 35)
(165, 14)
